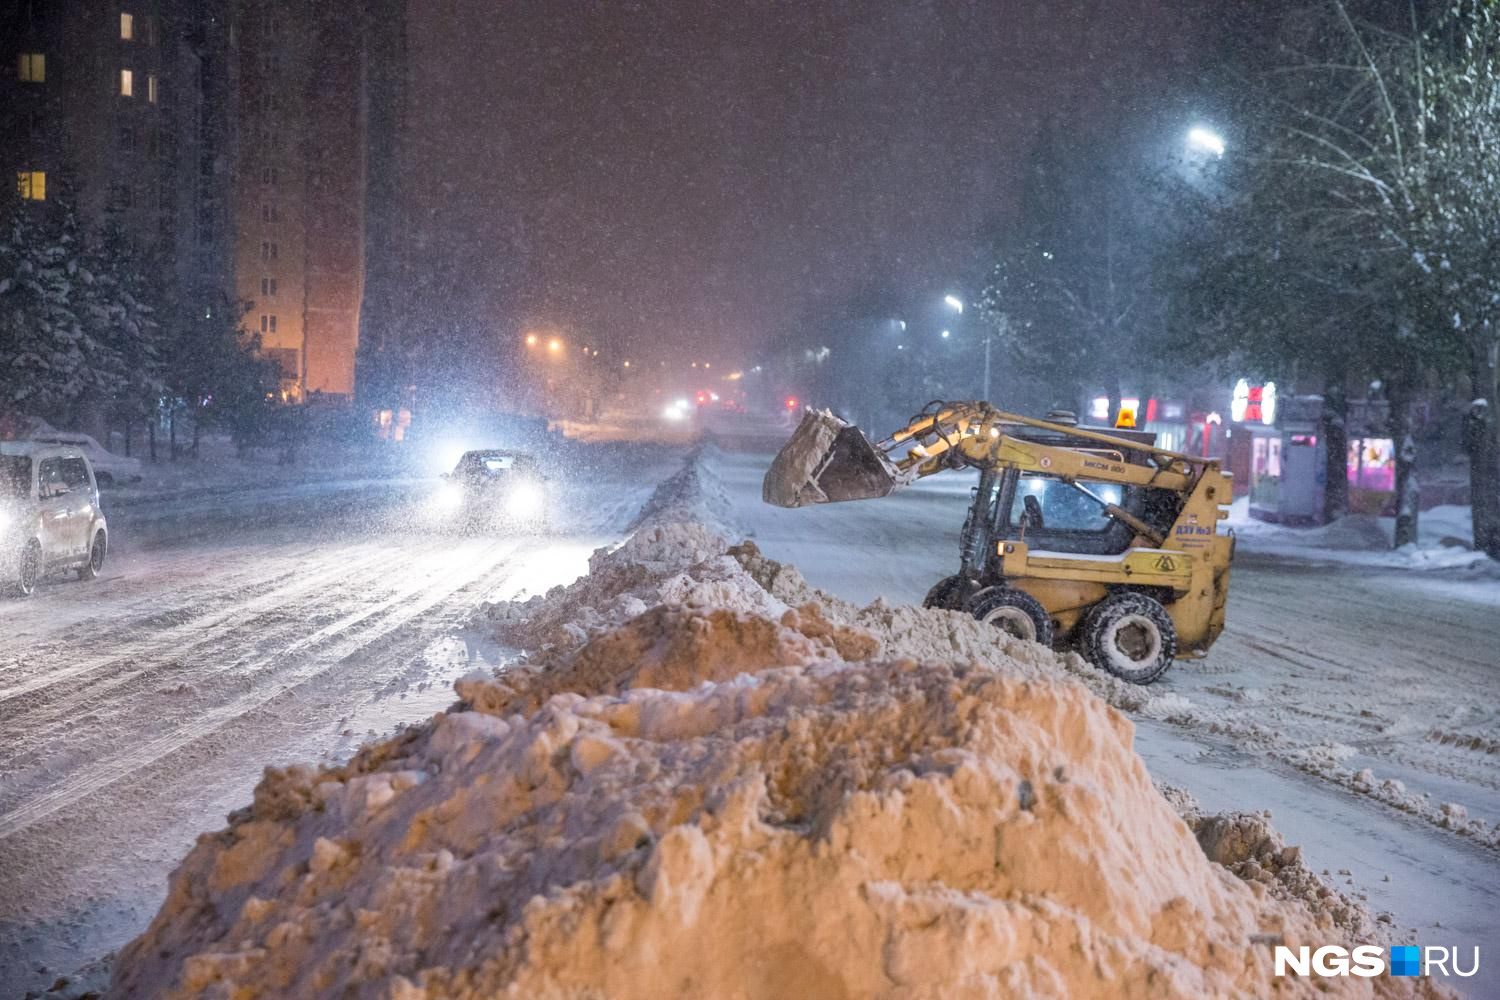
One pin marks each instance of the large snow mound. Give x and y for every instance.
(891, 829)
(710, 780)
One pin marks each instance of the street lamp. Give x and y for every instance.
(554, 345)
(1203, 140)
(955, 303)
(531, 340)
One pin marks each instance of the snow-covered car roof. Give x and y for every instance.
(102, 460)
(498, 453)
(498, 459)
(40, 449)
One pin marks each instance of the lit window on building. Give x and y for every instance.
(151, 88)
(32, 185)
(33, 67)
(127, 27)
(127, 83)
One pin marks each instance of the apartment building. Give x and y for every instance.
(230, 140)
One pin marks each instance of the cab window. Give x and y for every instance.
(75, 475)
(1044, 504)
(50, 477)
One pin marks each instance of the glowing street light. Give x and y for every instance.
(531, 340)
(1205, 140)
(954, 302)
(947, 334)
(554, 345)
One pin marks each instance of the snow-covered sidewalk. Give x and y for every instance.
(1445, 542)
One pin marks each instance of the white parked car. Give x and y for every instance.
(50, 519)
(108, 467)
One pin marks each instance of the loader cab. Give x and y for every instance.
(1054, 516)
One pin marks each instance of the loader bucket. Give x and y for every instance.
(827, 460)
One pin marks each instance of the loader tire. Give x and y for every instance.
(1131, 636)
(1015, 612)
(949, 592)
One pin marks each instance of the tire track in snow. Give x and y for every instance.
(402, 608)
(235, 606)
(103, 701)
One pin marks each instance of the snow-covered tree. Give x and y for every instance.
(214, 368)
(1397, 127)
(77, 320)
(1360, 235)
(46, 366)
(121, 312)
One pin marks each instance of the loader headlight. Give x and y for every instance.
(524, 500)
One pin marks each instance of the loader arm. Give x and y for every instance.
(827, 460)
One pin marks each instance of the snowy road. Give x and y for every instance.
(1353, 703)
(231, 632)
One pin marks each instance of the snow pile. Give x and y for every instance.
(671, 647)
(1249, 846)
(678, 530)
(887, 829)
(748, 790)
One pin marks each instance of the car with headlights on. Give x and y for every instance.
(50, 520)
(495, 489)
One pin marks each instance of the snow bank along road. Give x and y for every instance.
(229, 633)
(1362, 707)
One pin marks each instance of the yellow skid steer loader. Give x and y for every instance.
(1076, 536)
